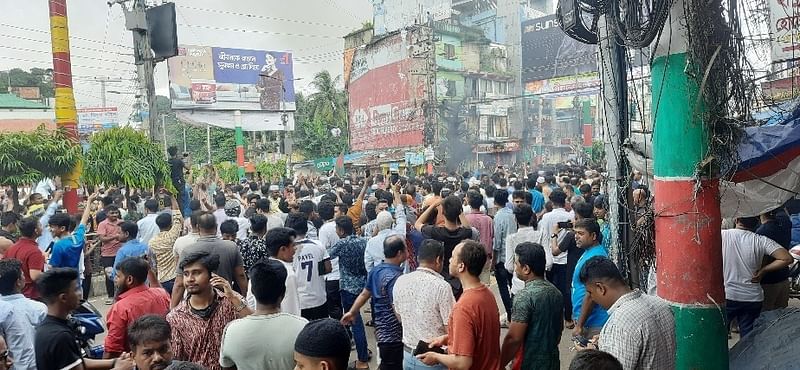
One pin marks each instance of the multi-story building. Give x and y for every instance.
(438, 74)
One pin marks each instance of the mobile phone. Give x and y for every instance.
(565, 225)
(424, 347)
(580, 340)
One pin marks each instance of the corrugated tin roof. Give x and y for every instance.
(11, 101)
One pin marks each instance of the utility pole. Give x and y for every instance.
(66, 115)
(103, 81)
(688, 221)
(136, 21)
(614, 79)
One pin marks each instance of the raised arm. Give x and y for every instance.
(423, 218)
(87, 209)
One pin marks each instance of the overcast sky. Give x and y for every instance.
(102, 47)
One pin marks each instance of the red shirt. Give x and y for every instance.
(474, 329)
(28, 252)
(131, 305)
(108, 228)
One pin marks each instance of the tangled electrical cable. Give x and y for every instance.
(635, 22)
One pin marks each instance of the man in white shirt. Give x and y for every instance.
(311, 261)
(219, 212)
(274, 220)
(281, 245)
(190, 238)
(328, 237)
(234, 212)
(147, 225)
(250, 342)
(742, 253)
(423, 300)
(373, 256)
(558, 273)
(526, 232)
(45, 188)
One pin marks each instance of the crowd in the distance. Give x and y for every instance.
(276, 275)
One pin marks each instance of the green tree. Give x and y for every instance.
(599, 153)
(320, 113)
(223, 141)
(124, 156)
(41, 78)
(27, 157)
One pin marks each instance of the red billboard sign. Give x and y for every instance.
(386, 97)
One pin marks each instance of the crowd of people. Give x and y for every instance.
(259, 275)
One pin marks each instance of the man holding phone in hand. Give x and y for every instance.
(473, 330)
(199, 321)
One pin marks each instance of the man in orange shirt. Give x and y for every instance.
(473, 333)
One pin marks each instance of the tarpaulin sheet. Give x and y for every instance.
(771, 345)
(766, 176)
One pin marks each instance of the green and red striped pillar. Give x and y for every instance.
(66, 115)
(237, 119)
(688, 240)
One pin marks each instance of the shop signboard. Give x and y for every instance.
(784, 29)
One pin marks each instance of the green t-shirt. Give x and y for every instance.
(541, 306)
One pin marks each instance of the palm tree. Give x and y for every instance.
(319, 114)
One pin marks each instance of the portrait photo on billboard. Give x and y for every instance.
(213, 78)
(547, 52)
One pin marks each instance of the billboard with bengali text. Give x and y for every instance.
(91, 120)
(213, 78)
(386, 96)
(784, 29)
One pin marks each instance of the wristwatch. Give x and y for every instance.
(240, 307)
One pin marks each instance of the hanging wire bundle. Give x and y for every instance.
(638, 22)
(717, 62)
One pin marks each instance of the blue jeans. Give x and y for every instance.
(412, 363)
(359, 333)
(745, 314)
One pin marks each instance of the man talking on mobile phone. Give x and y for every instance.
(199, 321)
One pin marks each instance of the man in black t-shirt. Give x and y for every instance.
(455, 230)
(55, 343)
(177, 166)
(777, 226)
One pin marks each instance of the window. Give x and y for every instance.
(503, 89)
(451, 88)
(472, 88)
(498, 126)
(449, 51)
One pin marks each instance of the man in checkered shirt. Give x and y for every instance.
(640, 331)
